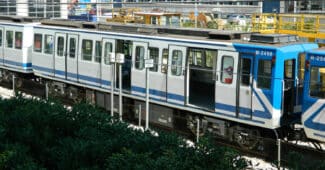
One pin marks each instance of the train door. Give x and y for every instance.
(72, 57)
(176, 80)
(1, 46)
(289, 86)
(225, 92)
(106, 71)
(140, 53)
(125, 47)
(60, 55)
(201, 77)
(244, 98)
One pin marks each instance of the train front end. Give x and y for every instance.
(313, 118)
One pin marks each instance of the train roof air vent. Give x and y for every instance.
(273, 38)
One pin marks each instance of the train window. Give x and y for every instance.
(195, 57)
(48, 44)
(107, 51)
(288, 68)
(227, 69)
(9, 38)
(0, 37)
(60, 46)
(139, 57)
(18, 40)
(317, 82)
(245, 71)
(38, 43)
(154, 54)
(87, 49)
(72, 47)
(98, 51)
(209, 55)
(264, 74)
(164, 61)
(176, 66)
(301, 67)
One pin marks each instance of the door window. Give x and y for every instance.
(60, 46)
(245, 71)
(98, 51)
(139, 57)
(264, 74)
(164, 61)
(176, 67)
(154, 54)
(227, 69)
(72, 47)
(108, 49)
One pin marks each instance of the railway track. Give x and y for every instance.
(266, 150)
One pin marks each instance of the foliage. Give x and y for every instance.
(298, 161)
(37, 134)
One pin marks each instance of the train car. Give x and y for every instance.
(15, 47)
(313, 117)
(236, 84)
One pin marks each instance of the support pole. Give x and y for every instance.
(46, 90)
(279, 153)
(197, 129)
(147, 99)
(13, 84)
(140, 113)
(120, 94)
(112, 90)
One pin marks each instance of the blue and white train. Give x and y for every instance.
(238, 85)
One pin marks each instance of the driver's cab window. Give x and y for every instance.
(317, 82)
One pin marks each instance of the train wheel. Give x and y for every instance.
(72, 93)
(246, 138)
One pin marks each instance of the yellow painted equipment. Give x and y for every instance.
(309, 26)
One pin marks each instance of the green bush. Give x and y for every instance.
(44, 135)
(298, 161)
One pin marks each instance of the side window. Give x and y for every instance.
(72, 47)
(195, 57)
(9, 37)
(38, 43)
(139, 57)
(227, 69)
(164, 61)
(154, 54)
(87, 49)
(0, 38)
(107, 50)
(60, 46)
(18, 40)
(48, 44)
(245, 71)
(264, 74)
(317, 83)
(98, 51)
(176, 66)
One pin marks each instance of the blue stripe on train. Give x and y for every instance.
(25, 66)
(176, 97)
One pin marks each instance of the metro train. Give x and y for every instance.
(237, 85)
